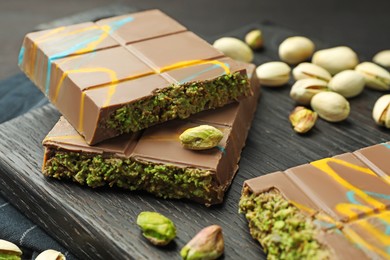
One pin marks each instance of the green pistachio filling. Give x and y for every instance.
(167, 181)
(282, 230)
(179, 101)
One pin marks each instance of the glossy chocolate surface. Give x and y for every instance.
(89, 70)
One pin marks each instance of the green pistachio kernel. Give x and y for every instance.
(201, 137)
(158, 229)
(9, 251)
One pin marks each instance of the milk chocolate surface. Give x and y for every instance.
(351, 190)
(90, 70)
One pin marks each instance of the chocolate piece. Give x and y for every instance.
(127, 73)
(154, 159)
(338, 205)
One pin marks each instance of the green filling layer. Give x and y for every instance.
(4, 256)
(167, 181)
(282, 230)
(179, 101)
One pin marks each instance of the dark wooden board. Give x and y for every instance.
(100, 224)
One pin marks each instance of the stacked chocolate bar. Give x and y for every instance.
(116, 81)
(334, 208)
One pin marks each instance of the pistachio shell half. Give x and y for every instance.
(273, 74)
(10, 249)
(381, 111)
(382, 58)
(234, 48)
(336, 59)
(307, 70)
(330, 106)
(304, 89)
(296, 49)
(50, 254)
(375, 76)
(348, 83)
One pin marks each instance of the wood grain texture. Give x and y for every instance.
(100, 223)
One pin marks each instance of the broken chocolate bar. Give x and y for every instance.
(154, 159)
(127, 73)
(334, 208)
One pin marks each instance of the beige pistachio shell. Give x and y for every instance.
(382, 58)
(296, 49)
(336, 59)
(348, 83)
(50, 254)
(254, 39)
(304, 89)
(330, 106)
(375, 76)
(234, 48)
(381, 111)
(8, 247)
(307, 70)
(273, 74)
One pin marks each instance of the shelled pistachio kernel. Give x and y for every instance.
(306, 70)
(296, 49)
(50, 254)
(382, 58)
(9, 251)
(273, 74)
(207, 244)
(201, 137)
(381, 111)
(254, 39)
(304, 90)
(302, 119)
(375, 76)
(157, 228)
(330, 106)
(336, 59)
(348, 83)
(234, 48)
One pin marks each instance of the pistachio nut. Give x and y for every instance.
(254, 39)
(348, 83)
(302, 119)
(9, 251)
(382, 58)
(307, 70)
(336, 59)
(294, 50)
(157, 228)
(50, 254)
(304, 89)
(201, 137)
(234, 48)
(375, 76)
(208, 244)
(330, 106)
(381, 111)
(273, 74)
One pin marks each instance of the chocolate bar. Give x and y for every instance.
(334, 208)
(127, 73)
(154, 159)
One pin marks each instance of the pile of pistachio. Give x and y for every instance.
(325, 84)
(10, 251)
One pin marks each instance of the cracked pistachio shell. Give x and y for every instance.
(302, 119)
(201, 137)
(348, 83)
(308, 70)
(8, 248)
(375, 76)
(304, 89)
(157, 228)
(330, 106)
(382, 58)
(381, 111)
(273, 74)
(208, 244)
(294, 50)
(336, 59)
(50, 254)
(254, 39)
(234, 48)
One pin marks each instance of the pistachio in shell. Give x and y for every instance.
(375, 76)
(296, 49)
(306, 70)
(348, 83)
(234, 48)
(381, 111)
(9, 251)
(273, 74)
(382, 58)
(304, 90)
(336, 59)
(330, 106)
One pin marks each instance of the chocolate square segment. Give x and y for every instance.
(377, 157)
(67, 63)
